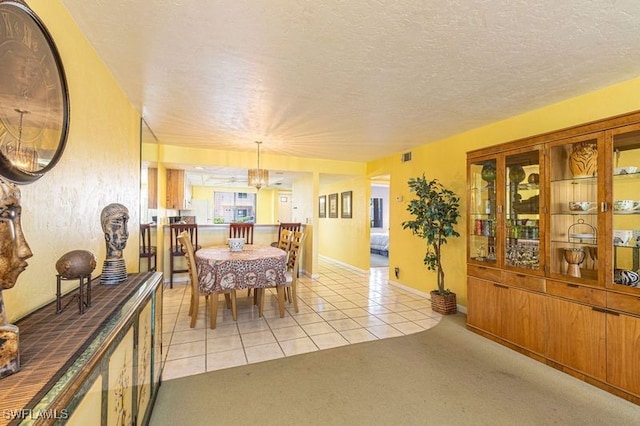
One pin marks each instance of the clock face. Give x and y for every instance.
(34, 101)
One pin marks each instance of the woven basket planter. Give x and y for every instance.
(444, 304)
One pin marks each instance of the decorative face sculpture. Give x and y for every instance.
(14, 249)
(114, 220)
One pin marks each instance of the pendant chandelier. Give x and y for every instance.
(258, 177)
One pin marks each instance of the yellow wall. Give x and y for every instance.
(342, 239)
(100, 165)
(265, 206)
(446, 160)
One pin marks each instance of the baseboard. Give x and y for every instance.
(346, 265)
(307, 274)
(409, 289)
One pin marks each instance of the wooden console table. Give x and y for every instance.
(100, 367)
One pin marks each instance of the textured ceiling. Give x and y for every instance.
(353, 79)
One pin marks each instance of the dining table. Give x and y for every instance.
(253, 267)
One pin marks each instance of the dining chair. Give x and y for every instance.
(289, 226)
(175, 248)
(242, 230)
(289, 289)
(230, 294)
(189, 254)
(147, 251)
(284, 243)
(293, 267)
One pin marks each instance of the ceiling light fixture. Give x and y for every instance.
(258, 177)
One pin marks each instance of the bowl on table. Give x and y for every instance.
(236, 244)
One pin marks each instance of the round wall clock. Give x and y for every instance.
(34, 100)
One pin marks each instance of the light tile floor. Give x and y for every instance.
(341, 307)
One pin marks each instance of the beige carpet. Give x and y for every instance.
(442, 376)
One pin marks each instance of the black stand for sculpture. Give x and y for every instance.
(114, 271)
(84, 298)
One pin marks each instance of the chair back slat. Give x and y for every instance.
(178, 228)
(145, 238)
(290, 226)
(295, 251)
(242, 230)
(184, 239)
(147, 251)
(285, 240)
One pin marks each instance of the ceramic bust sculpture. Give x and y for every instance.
(14, 250)
(114, 219)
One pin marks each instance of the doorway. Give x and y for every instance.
(284, 207)
(379, 223)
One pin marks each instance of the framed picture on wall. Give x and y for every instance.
(333, 205)
(322, 206)
(345, 202)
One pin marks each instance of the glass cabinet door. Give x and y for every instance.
(482, 210)
(625, 203)
(574, 226)
(522, 210)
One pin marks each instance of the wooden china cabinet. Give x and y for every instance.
(553, 250)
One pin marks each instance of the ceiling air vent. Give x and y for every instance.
(406, 157)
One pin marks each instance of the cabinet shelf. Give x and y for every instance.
(626, 176)
(576, 241)
(523, 240)
(572, 213)
(528, 186)
(484, 259)
(629, 246)
(576, 180)
(482, 235)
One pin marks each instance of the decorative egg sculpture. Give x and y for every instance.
(75, 264)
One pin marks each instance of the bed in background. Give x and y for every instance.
(380, 243)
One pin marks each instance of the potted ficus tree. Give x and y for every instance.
(435, 210)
